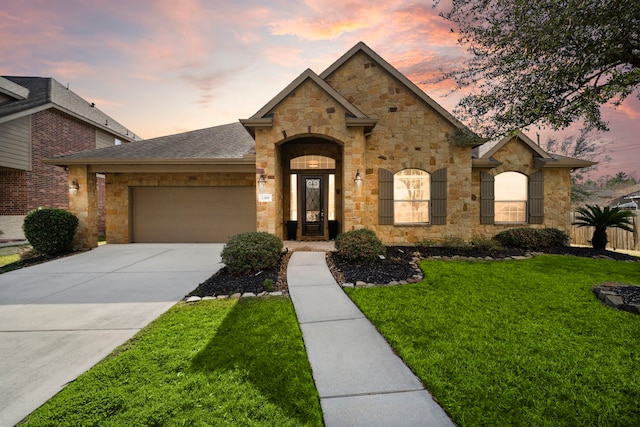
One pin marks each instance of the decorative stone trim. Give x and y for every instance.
(234, 296)
(610, 293)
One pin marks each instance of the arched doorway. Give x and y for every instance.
(312, 188)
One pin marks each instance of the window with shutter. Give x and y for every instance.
(439, 197)
(536, 198)
(486, 198)
(385, 197)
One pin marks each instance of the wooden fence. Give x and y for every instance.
(618, 239)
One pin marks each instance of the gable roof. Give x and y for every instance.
(489, 148)
(362, 47)
(41, 93)
(12, 89)
(228, 143)
(355, 117)
(482, 156)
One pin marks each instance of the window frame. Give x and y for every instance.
(496, 200)
(424, 174)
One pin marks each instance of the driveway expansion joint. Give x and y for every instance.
(340, 396)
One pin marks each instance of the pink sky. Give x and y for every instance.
(161, 67)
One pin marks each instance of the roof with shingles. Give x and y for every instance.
(224, 142)
(46, 91)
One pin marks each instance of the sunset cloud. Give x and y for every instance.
(159, 67)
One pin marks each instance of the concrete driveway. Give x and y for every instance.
(60, 318)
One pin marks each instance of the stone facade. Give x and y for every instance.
(408, 133)
(517, 157)
(374, 123)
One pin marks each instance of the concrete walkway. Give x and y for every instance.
(59, 318)
(360, 380)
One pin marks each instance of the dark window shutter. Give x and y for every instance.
(536, 198)
(385, 197)
(487, 198)
(439, 197)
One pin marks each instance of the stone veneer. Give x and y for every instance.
(409, 134)
(517, 157)
(117, 188)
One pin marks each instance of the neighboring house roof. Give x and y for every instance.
(229, 143)
(41, 93)
(12, 89)
(483, 154)
(628, 201)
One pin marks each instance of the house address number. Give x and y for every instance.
(265, 198)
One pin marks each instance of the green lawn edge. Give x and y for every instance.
(516, 343)
(223, 363)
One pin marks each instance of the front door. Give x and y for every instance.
(313, 206)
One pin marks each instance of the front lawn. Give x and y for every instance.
(222, 363)
(518, 343)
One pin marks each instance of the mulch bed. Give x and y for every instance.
(225, 283)
(395, 266)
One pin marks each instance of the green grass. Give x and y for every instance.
(222, 363)
(10, 254)
(8, 259)
(517, 343)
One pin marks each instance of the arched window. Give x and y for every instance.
(510, 203)
(411, 196)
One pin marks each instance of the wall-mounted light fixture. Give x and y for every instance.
(74, 187)
(358, 179)
(262, 181)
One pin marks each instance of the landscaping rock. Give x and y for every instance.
(248, 295)
(620, 296)
(236, 295)
(222, 297)
(276, 294)
(193, 299)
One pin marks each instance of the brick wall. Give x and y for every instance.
(13, 192)
(54, 134)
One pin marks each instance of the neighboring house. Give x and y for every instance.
(40, 119)
(357, 146)
(630, 201)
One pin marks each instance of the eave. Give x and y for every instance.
(485, 163)
(564, 162)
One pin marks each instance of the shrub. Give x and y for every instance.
(248, 253)
(426, 243)
(532, 238)
(552, 237)
(453, 242)
(484, 244)
(50, 230)
(359, 246)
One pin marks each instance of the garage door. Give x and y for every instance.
(191, 214)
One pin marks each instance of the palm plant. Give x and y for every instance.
(600, 219)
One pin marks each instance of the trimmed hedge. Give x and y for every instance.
(359, 246)
(49, 230)
(250, 252)
(533, 238)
